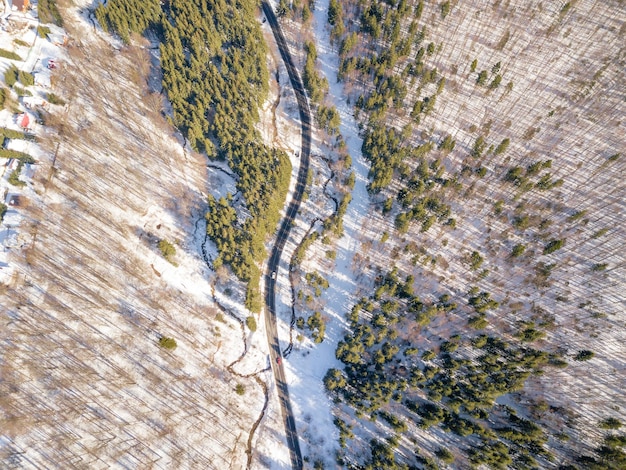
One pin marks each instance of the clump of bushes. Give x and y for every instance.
(518, 250)
(552, 246)
(167, 250)
(11, 75)
(14, 177)
(54, 99)
(167, 343)
(251, 323)
(43, 31)
(584, 355)
(610, 423)
(317, 326)
(9, 55)
(445, 455)
(475, 260)
(26, 78)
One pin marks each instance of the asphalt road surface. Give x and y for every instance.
(281, 238)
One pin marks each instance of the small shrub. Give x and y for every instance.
(480, 341)
(167, 343)
(167, 249)
(502, 147)
(447, 144)
(22, 91)
(251, 323)
(478, 322)
(11, 75)
(498, 207)
(14, 178)
(3, 210)
(19, 42)
(240, 389)
(9, 55)
(445, 455)
(21, 156)
(43, 31)
(576, 216)
(518, 250)
(552, 246)
(475, 260)
(599, 266)
(600, 233)
(428, 355)
(584, 355)
(54, 99)
(11, 134)
(482, 78)
(445, 9)
(26, 78)
(610, 423)
(531, 334)
(481, 171)
(544, 224)
(495, 83)
(449, 346)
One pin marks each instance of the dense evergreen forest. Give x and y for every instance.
(213, 57)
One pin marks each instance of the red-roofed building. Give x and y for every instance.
(21, 5)
(24, 121)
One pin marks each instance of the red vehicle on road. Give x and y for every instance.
(279, 360)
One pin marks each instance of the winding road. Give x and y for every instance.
(281, 238)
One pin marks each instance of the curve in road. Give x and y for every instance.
(283, 235)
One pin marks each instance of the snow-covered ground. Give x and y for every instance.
(84, 379)
(88, 294)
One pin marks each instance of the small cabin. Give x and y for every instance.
(23, 121)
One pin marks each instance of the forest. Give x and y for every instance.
(474, 297)
(436, 175)
(213, 57)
